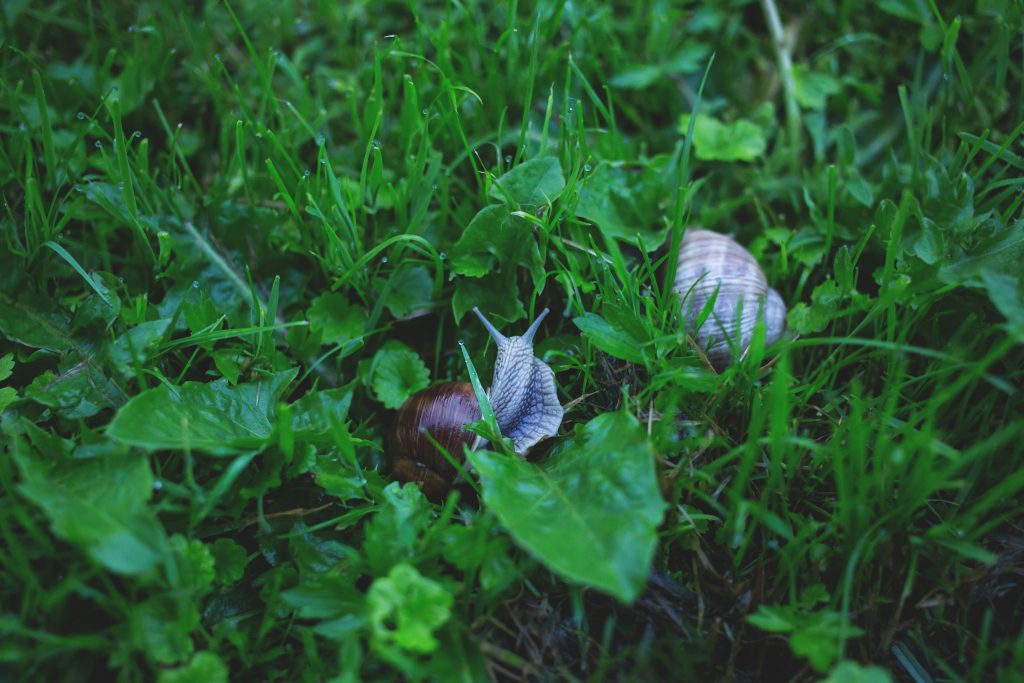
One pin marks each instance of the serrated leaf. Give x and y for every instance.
(496, 237)
(406, 608)
(213, 417)
(230, 560)
(397, 372)
(394, 533)
(411, 291)
(100, 504)
(531, 184)
(590, 512)
(336, 319)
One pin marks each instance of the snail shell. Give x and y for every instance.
(440, 411)
(522, 395)
(709, 262)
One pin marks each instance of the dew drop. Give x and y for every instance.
(376, 144)
(99, 144)
(586, 168)
(133, 28)
(137, 134)
(424, 112)
(442, 256)
(81, 116)
(195, 284)
(319, 139)
(157, 485)
(508, 158)
(384, 260)
(306, 173)
(434, 186)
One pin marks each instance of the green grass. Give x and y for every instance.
(234, 239)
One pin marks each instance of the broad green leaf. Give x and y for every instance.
(610, 339)
(138, 342)
(212, 417)
(406, 608)
(316, 412)
(852, 672)
(589, 512)
(396, 373)
(619, 203)
(204, 667)
(34, 321)
(495, 238)
(324, 596)
(531, 184)
(741, 140)
(495, 293)
(100, 504)
(81, 391)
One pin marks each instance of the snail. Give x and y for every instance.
(522, 396)
(709, 262)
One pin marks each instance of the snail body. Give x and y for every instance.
(522, 396)
(710, 263)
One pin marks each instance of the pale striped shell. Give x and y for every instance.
(709, 262)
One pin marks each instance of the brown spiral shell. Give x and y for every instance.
(440, 411)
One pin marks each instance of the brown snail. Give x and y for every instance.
(710, 262)
(522, 396)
